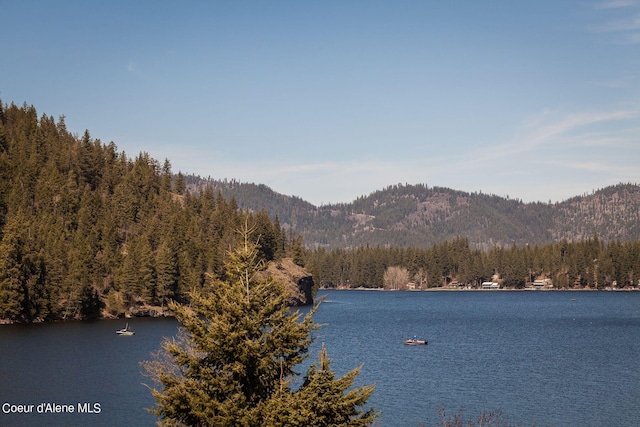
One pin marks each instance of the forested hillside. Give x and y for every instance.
(86, 231)
(421, 216)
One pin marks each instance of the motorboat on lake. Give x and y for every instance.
(125, 331)
(415, 341)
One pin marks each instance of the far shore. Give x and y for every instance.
(443, 289)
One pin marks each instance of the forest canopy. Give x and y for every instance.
(86, 231)
(591, 263)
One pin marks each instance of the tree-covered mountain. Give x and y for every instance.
(441, 236)
(420, 216)
(86, 231)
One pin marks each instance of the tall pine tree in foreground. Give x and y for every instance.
(234, 359)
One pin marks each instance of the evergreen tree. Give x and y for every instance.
(238, 346)
(167, 273)
(180, 183)
(165, 183)
(23, 296)
(13, 271)
(264, 231)
(321, 400)
(297, 250)
(147, 271)
(280, 239)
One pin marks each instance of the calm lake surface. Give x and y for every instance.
(553, 358)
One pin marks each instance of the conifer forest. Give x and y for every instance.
(87, 231)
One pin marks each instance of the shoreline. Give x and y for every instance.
(168, 313)
(440, 289)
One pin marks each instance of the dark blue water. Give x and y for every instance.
(553, 358)
(76, 363)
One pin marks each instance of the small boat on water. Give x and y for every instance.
(125, 331)
(415, 341)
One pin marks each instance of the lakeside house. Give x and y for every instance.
(490, 285)
(542, 284)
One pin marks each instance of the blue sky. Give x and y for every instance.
(331, 100)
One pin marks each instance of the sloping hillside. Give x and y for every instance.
(612, 213)
(418, 215)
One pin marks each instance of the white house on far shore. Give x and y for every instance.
(490, 285)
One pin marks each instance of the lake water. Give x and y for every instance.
(553, 358)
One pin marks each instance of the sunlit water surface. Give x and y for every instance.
(550, 358)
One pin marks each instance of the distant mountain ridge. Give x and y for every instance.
(419, 216)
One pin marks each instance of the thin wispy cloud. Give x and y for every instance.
(547, 129)
(615, 83)
(547, 145)
(620, 25)
(586, 166)
(616, 4)
(601, 139)
(296, 168)
(133, 69)
(623, 20)
(551, 144)
(627, 28)
(633, 38)
(604, 167)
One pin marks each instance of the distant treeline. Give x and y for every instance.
(589, 263)
(87, 231)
